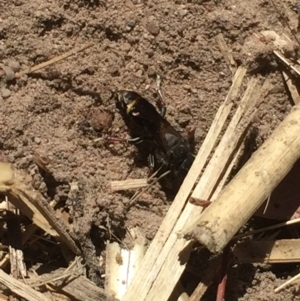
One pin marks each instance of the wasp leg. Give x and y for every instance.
(163, 112)
(158, 88)
(116, 139)
(136, 140)
(151, 163)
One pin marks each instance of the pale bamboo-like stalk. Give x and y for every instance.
(179, 250)
(250, 187)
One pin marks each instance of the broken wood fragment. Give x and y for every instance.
(14, 233)
(250, 187)
(82, 289)
(270, 251)
(32, 204)
(21, 289)
(70, 282)
(226, 53)
(121, 266)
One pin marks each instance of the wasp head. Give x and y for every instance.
(128, 100)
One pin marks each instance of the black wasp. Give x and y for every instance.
(172, 149)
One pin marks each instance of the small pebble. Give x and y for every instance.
(37, 140)
(130, 23)
(183, 12)
(5, 93)
(43, 187)
(198, 134)
(125, 47)
(152, 26)
(139, 73)
(14, 65)
(9, 73)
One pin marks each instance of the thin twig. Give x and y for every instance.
(284, 285)
(116, 237)
(39, 283)
(267, 204)
(136, 195)
(53, 61)
(285, 61)
(283, 224)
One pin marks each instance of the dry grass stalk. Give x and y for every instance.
(164, 249)
(227, 173)
(286, 62)
(21, 289)
(33, 205)
(226, 53)
(45, 64)
(292, 88)
(287, 283)
(280, 42)
(271, 251)
(280, 225)
(227, 145)
(51, 62)
(128, 184)
(69, 282)
(251, 186)
(57, 277)
(151, 181)
(222, 157)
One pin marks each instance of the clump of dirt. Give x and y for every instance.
(66, 111)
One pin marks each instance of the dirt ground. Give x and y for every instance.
(58, 112)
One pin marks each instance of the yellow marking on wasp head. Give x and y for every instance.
(130, 106)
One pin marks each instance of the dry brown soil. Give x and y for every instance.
(59, 111)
